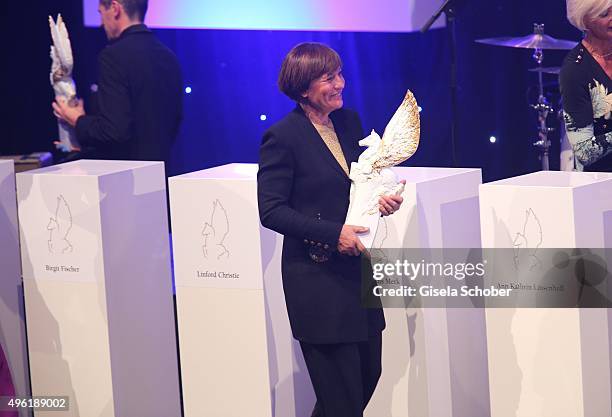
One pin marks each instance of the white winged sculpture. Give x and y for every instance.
(61, 77)
(371, 176)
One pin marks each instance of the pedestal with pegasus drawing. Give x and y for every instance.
(234, 335)
(547, 361)
(431, 354)
(98, 287)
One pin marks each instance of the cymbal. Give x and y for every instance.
(546, 70)
(533, 41)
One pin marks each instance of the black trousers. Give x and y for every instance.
(343, 375)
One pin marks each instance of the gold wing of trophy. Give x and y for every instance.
(401, 137)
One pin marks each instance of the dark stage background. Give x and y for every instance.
(233, 79)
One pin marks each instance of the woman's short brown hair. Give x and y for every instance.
(303, 64)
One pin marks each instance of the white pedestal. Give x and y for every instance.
(238, 357)
(434, 359)
(98, 290)
(12, 321)
(548, 362)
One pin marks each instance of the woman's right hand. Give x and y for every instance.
(349, 243)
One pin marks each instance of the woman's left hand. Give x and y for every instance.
(389, 204)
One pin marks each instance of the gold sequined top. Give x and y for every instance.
(333, 144)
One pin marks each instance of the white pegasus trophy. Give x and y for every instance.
(61, 78)
(371, 176)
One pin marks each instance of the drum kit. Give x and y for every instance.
(539, 42)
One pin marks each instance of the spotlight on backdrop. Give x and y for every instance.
(492, 139)
(187, 90)
(300, 15)
(263, 117)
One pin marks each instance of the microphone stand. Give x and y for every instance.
(449, 8)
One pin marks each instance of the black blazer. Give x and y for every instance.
(303, 193)
(139, 99)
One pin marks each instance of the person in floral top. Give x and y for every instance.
(586, 87)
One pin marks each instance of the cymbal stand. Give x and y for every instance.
(543, 107)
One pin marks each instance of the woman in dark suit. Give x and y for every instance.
(303, 193)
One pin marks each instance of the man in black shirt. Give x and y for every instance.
(139, 91)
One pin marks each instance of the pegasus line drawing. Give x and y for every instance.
(378, 246)
(215, 231)
(59, 228)
(527, 242)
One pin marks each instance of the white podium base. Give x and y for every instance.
(433, 356)
(238, 357)
(98, 290)
(549, 362)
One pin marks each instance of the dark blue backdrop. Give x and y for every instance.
(233, 79)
